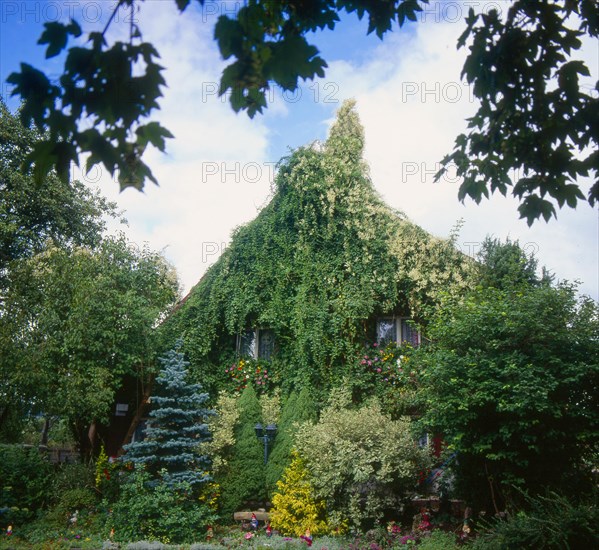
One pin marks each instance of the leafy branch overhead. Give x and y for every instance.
(536, 127)
(535, 118)
(108, 90)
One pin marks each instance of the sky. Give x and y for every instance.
(218, 171)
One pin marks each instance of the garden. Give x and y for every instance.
(476, 426)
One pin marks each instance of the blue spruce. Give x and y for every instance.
(176, 427)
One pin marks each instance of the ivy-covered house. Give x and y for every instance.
(323, 269)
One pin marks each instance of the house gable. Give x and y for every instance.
(319, 263)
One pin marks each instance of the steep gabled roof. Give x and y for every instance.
(325, 255)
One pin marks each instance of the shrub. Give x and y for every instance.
(438, 540)
(244, 479)
(511, 381)
(361, 462)
(553, 523)
(157, 512)
(298, 409)
(295, 508)
(25, 482)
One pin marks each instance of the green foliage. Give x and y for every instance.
(387, 373)
(244, 477)
(535, 118)
(362, 463)
(316, 266)
(530, 93)
(222, 427)
(32, 213)
(297, 410)
(506, 266)
(100, 86)
(295, 508)
(271, 407)
(161, 512)
(438, 540)
(552, 522)
(25, 482)
(511, 382)
(176, 427)
(76, 322)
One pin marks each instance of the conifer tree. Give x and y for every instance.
(298, 409)
(245, 480)
(296, 509)
(176, 428)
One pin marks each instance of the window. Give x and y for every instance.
(386, 331)
(396, 329)
(256, 343)
(246, 343)
(409, 333)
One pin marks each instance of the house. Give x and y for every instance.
(325, 267)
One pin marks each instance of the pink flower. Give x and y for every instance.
(378, 370)
(375, 345)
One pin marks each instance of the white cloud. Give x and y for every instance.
(413, 104)
(217, 172)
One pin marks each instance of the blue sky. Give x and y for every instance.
(218, 171)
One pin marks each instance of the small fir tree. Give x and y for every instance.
(176, 428)
(298, 409)
(244, 479)
(295, 507)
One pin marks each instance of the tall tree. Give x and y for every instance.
(75, 323)
(524, 122)
(35, 213)
(511, 380)
(507, 266)
(176, 427)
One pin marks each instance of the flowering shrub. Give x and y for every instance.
(389, 364)
(388, 373)
(249, 371)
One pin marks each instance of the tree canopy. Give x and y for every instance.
(32, 214)
(75, 322)
(524, 123)
(510, 380)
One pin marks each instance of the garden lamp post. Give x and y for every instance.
(267, 435)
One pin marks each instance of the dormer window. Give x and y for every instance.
(396, 329)
(256, 344)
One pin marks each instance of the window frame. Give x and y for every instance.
(256, 343)
(398, 325)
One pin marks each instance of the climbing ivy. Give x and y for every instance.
(322, 259)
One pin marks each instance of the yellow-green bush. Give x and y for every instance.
(295, 507)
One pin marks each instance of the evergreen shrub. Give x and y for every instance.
(295, 509)
(243, 480)
(161, 512)
(361, 462)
